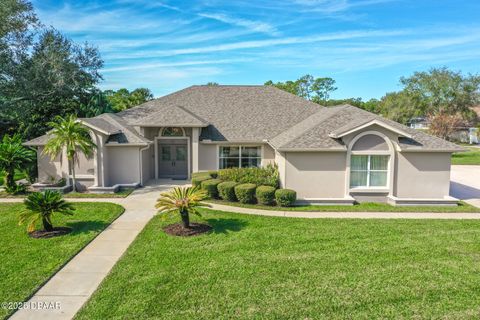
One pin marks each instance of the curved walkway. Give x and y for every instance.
(347, 215)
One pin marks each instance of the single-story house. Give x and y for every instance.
(328, 155)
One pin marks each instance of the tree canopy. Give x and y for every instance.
(123, 99)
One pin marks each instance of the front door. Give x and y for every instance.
(172, 159)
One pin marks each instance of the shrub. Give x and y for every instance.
(226, 190)
(267, 176)
(285, 197)
(245, 193)
(197, 181)
(211, 187)
(265, 195)
(213, 174)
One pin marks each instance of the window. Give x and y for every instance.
(172, 132)
(239, 157)
(368, 171)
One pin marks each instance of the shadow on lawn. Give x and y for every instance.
(225, 226)
(87, 226)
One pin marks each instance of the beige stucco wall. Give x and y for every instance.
(315, 175)
(49, 170)
(268, 155)
(123, 165)
(84, 165)
(207, 157)
(422, 175)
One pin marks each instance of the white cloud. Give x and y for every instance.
(255, 26)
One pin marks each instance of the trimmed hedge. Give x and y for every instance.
(226, 190)
(245, 193)
(197, 181)
(265, 195)
(211, 187)
(285, 197)
(267, 176)
(213, 174)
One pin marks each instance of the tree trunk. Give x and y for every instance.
(10, 179)
(73, 177)
(185, 218)
(47, 225)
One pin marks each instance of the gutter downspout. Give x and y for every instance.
(141, 162)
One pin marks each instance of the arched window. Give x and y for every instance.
(369, 162)
(172, 132)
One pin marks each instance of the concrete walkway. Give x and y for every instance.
(71, 287)
(348, 215)
(465, 183)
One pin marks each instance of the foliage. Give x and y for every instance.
(69, 135)
(183, 201)
(16, 189)
(265, 195)
(443, 125)
(308, 87)
(285, 197)
(123, 99)
(245, 193)
(199, 177)
(28, 263)
(267, 175)
(50, 76)
(13, 156)
(212, 84)
(210, 186)
(226, 190)
(401, 106)
(40, 206)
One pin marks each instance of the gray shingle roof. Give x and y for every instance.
(38, 141)
(174, 116)
(103, 125)
(126, 134)
(315, 134)
(236, 113)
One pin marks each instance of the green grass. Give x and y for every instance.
(471, 157)
(123, 193)
(26, 263)
(256, 267)
(362, 207)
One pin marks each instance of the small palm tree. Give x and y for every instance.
(183, 201)
(41, 206)
(68, 133)
(13, 156)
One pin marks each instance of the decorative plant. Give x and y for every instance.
(41, 206)
(183, 201)
(72, 136)
(13, 156)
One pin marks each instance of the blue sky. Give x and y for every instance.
(365, 45)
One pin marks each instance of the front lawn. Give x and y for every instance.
(471, 157)
(26, 263)
(123, 193)
(288, 268)
(361, 207)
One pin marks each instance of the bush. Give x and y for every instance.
(265, 195)
(226, 190)
(213, 174)
(285, 197)
(211, 187)
(245, 193)
(16, 189)
(267, 176)
(197, 181)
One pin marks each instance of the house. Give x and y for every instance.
(328, 155)
(418, 123)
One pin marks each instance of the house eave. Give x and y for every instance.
(368, 124)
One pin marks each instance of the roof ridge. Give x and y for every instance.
(192, 114)
(309, 127)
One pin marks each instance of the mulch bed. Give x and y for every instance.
(195, 229)
(43, 234)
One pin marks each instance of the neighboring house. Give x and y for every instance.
(328, 155)
(418, 123)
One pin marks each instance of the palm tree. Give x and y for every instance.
(41, 206)
(183, 201)
(13, 156)
(68, 133)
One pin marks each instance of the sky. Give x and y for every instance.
(365, 45)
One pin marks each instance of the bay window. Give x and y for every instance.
(368, 171)
(239, 157)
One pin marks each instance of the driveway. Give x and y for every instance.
(465, 184)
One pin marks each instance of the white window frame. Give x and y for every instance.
(369, 171)
(219, 157)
